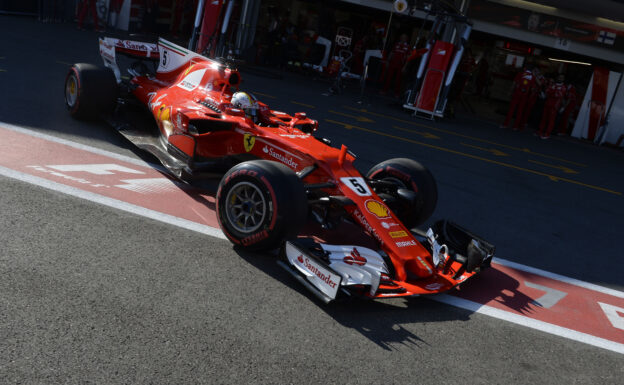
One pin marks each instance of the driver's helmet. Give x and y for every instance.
(245, 102)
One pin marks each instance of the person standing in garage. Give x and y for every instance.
(523, 82)
(534, 93)
(396, 62)
(571, 105)
(84, 7)
(554, 100)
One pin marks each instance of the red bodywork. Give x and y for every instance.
(199, 89)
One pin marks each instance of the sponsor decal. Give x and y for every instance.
(133, 45)
(377, 208)
(406, 243)
(107, 51)
(164, 113)
(295, 136)
(355, 258)
(441, 52)
(192, 80)
(255, 238)
(288, 161)
(314, 270)
(357, 185)
(358, 215)
(398, 234)
(249, 141)
(156, 102)
(387, 225)
(324, 276)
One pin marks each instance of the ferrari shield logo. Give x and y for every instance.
(249, 141)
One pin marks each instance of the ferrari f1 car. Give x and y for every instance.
(278, 176)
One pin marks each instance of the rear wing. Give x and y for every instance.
(171, 57)
(110, 47)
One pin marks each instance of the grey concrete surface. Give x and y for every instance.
(89, 294)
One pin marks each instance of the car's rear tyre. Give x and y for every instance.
(413, 176)
(90, 91)
(260, 203)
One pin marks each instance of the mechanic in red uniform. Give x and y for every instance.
(571, 106)
(521, 86)
(534, 93)
(83, 9)
(395, 65)
(554, 100)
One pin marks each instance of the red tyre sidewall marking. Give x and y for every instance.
(273, 199)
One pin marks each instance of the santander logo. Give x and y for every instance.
(282, 158)
(355, 258)
(328, 279)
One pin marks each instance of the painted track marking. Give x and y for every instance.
(302, 104)
(525, 150)
(608, 302)
(549, 176)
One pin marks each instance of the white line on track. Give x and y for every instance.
(557, 277)
(114, 203)
(217, 233)
(529, 322)
(81, 146)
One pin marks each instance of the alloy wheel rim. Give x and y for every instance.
(245, 207)
(71, 91)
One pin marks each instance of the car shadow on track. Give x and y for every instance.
(385, 322)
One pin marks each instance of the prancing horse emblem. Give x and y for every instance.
(249, 141)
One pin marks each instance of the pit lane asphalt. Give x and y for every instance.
(92, 294)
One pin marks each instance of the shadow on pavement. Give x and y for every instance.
(381, 321)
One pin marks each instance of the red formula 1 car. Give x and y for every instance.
(278, 176)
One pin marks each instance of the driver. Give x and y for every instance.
(247, 103)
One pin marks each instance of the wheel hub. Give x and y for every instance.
(245, 207)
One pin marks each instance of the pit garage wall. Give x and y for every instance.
(614, 130)
(611, 132)
(585, 45)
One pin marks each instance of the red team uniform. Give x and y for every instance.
(397, 60)
(533, 95)
(83, 8)
(554, 99)
(571, 106)
(523, 83)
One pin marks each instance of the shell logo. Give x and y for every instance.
(377, 209)
(164, 113)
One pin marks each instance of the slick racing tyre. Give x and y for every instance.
(260, 203)
(415, 205)
(90, 91)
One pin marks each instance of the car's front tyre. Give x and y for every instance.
(260, 203)
(415, 192)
